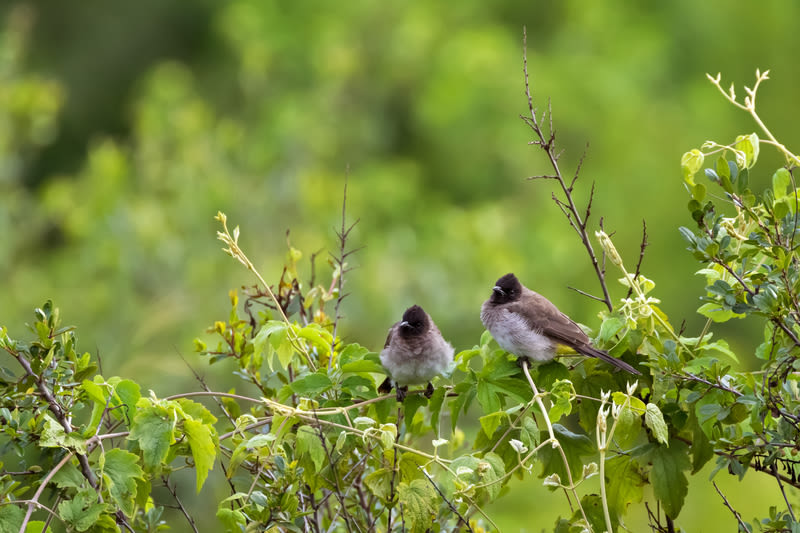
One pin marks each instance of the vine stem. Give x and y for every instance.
(749, 105)
(553, 440)
(35, 500)
(237, 253)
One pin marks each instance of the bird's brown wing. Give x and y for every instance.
(389, 337)
(543, 316)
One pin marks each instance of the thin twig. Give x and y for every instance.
(728, 505)
(568, 204)
(180, 505)
(642, 247)
(449, 503)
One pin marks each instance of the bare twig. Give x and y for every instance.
(461, 519)
(341, 259)
(641, 256)
(180, 505)
(567, 205)
(732, 510)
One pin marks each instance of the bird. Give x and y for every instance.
(414, 353)
(530, 326)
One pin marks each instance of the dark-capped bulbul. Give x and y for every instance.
(415, 352)
(528, 325)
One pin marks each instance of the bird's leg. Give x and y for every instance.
(386, 386)
(522, 360)
(429, 390)
(401, 392)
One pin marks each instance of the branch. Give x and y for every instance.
(547, 143)
(728, 505)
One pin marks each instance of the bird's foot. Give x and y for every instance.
(385, 387)
(429, 390)
(523, 362)
(401, 393)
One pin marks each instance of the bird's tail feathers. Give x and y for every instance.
(591, 351)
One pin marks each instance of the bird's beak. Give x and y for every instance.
(404, 324)
(498, 290)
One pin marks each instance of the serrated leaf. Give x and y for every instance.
(574, 445)
(68, 477)
(54, 436)
(655, 421)
(11, 518)
(311, 384)
(490, 469)
(309, 443)
(379, 483)
(561, 396)
(82, 511)
(417, 499)
(490, 422)
(624, 483)
(202, 440)
(153, 430)
(121, 469)
(667, 474)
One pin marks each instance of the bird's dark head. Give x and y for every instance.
(415, 321)
(506, 289)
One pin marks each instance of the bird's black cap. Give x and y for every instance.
(506, 289)
(415, 321)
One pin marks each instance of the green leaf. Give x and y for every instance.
(655, 421)
(309, 443)
(11, 518)
(82, 511)
(593, 507)
(781, 180)
(574, 445)
(69, 477)
(417, 499)
(561, 395)
(749, 145)
(129, 393)
(490, 422)
(121, 471)
(490, 470)
(624, 483)
(610, 327)
(153, 430)
(691, 162)
(232, 519)
(312, 384)
(379, 483)
(667, 474)
(54, 436)
(203, 443)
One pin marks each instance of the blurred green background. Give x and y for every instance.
(125, 126)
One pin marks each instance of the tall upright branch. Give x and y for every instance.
(547, 143)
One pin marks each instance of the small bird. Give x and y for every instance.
(415, 352)
(528, 325)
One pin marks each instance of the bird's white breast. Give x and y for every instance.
(514, 335)
(421, 362)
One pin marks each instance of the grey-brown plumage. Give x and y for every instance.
(414, 353)
(527, 324)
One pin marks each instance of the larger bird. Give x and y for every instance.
(528, 325)
(415, 352)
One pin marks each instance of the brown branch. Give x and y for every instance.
(732, 510)
(641, 256)
(547, 143)
(180, 505)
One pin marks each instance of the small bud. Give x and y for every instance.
(608, 247)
